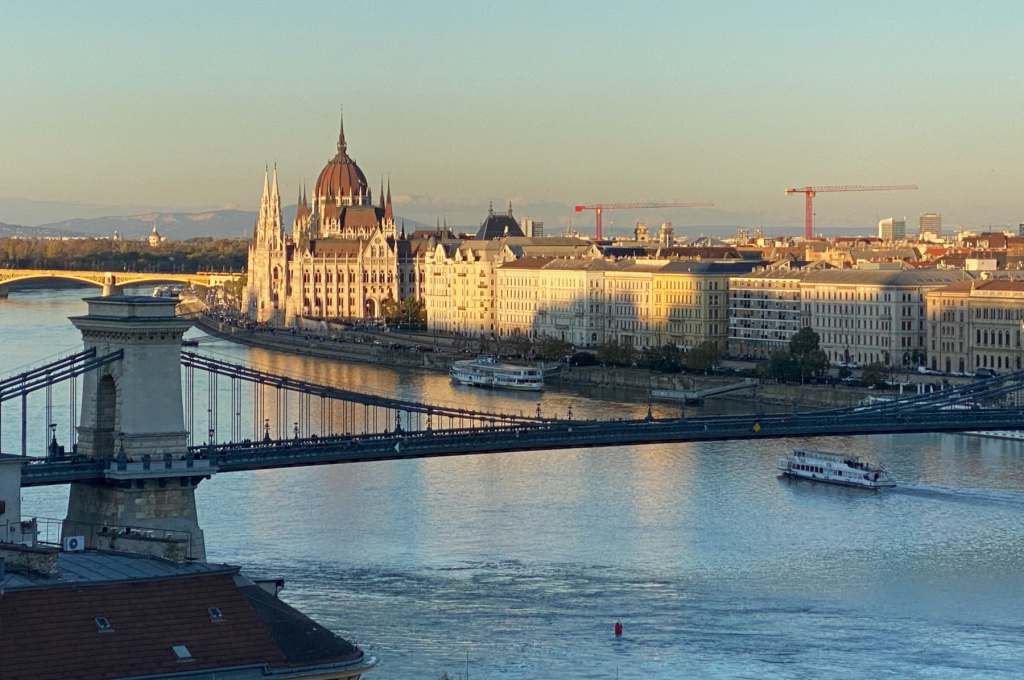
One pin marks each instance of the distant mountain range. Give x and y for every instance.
(173, 225)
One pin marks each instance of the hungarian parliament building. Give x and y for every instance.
(346, 258)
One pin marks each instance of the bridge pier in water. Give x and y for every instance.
(132, 421)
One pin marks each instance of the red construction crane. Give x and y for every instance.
(810, 192)
(599, 208)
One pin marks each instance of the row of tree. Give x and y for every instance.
(101, 254)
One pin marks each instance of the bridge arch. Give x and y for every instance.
(7, 283)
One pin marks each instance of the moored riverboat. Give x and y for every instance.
(486, 371)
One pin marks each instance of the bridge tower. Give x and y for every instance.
(132, 419)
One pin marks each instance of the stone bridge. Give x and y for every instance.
(112, 283)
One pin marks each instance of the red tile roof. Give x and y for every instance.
(50, 633)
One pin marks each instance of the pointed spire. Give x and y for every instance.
(382, 192)
(510, 208)
(266, 183)
(403, 230)
(490, 209)
(342, 146)
(389, 211)
(273, 189)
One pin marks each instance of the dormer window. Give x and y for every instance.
(103, 625)
(181, 653)
(216, 615)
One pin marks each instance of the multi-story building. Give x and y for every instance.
(892, 229)
(640, 303)
(341, 259)
(976, 324)
(553, 297)
(871, 314)
(929, 223)
(765, 311)
(461, 275)
(690, 303)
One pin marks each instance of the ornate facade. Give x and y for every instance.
(343, 259)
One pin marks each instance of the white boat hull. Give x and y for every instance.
(860, 484)
(479, 381)
(1014, 435)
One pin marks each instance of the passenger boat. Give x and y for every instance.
(486, 371)
(1015, 435)
(834, 468)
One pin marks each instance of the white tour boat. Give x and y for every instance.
(834, 468)
(487, 371)
(1015, 435)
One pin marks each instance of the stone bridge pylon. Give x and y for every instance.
(132, 420)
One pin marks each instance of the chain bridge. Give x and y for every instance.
(154, 417)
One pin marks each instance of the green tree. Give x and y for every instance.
(875, 374)
(614, 354)
(552, 349)
(666, 359)
(703, 357)
(804, 342)
(782, 366)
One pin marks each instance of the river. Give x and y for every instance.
(518, 564)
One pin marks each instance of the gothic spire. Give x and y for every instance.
(389, 211)
(266, 184)
(382, 192)
(510, 208)
(342, 146)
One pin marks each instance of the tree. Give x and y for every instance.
(667, 359)
(805, 349)
(552, 349)
(875, 374)
(782, 366)
(614, 354)
(703, 357)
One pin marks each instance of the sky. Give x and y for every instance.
(180, 105)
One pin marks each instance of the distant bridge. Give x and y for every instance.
(111, 283)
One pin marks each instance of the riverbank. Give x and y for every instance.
(409, 351)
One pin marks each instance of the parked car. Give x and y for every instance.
(984, 373)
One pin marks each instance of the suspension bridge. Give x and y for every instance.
(150, 416)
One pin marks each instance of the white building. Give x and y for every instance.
(871, 314)
(892, 229)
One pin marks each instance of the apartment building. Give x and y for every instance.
(691, 301)
(552, 297)
(975, 324)
(640, 303)
(872, 314)
(765, 311)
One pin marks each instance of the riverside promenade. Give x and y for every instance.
(436, 352)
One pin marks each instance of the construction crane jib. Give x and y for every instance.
(599, 209)
(810, 192)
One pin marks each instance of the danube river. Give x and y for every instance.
(518, 564)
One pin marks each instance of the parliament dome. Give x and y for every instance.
(341, 176)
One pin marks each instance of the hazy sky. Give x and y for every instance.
(179, 105)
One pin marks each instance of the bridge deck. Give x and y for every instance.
(556, 435)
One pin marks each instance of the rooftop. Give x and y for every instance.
(109, 615)
(887, 277)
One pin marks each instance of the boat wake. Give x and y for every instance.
(961, 495)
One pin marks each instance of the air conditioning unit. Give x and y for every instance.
(74, 543)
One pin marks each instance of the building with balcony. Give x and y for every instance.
(765, 311)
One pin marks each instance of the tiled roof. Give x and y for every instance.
(887, 277)
(51, 633)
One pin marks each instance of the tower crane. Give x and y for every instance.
(810, 192)
(599, 209)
